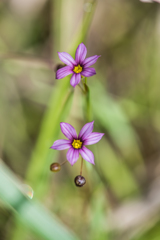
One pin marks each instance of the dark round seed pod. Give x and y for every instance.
(55, 167)
(79, 181)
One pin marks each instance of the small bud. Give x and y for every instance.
(58, 66)
(79, 181)
(55, 167)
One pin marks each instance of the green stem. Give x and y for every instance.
(81, 166)
(43, 155)
(88, 112)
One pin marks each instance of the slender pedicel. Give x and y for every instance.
(81, 88)
(63, 162)
(81, 166)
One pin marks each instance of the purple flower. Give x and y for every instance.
(76, 144)
(78, 67)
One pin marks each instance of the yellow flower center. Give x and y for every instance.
(77, 144)
(77, 69)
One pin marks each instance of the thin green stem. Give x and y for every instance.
(63, 162)
(81, 88)
(81, 166)
(88, 114)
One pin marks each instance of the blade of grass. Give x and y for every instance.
(30, 212)
(112, 118)
(58, 108)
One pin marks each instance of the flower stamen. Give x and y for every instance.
(77, 69)
(77, 144)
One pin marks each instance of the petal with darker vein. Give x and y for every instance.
(61, 144)
(75, 79)
(63, 72)
(81, 53)
(86, 130)
(87, 155)
(88, 72)
(93, 138)
(67, 59)
(72, 155)
(90, 61)
(68, 130)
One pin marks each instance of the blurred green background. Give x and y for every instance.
(121, 199)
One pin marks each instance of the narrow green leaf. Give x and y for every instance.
(112, 118)
(41, 158)
(34, 215)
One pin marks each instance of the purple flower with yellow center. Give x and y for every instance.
(76, 144)
(78, 67)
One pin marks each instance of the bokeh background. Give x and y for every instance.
(121, 199)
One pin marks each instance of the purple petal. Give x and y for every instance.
(67, 59)
(87, 155)
(72, 155)
(61, 144)
(68, 131)
(75, 79)
(63, 72)
(86, 130)
(81, 53)
(88, 72)
(93, 138)
(90, 61)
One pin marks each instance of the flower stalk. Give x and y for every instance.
(63, 162)
(88, 112)
(81, 166)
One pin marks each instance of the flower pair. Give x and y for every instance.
(78, 67)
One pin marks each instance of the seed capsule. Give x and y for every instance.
(79, 181)
(55, 167)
